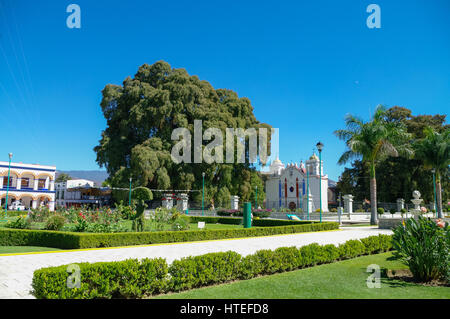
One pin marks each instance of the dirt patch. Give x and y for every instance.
(406, 275)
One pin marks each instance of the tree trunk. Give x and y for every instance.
(373, 201)
(439, 199)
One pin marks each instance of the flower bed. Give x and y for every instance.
(73, 240)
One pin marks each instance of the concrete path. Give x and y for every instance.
(16, 272)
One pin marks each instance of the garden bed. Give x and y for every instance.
(75, 240)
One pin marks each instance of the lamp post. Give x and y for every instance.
(434, 188)
(7, 184)
(203, 192)
(320, 147)
(307, 192)
(129, 194)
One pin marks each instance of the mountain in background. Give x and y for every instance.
(96, 176)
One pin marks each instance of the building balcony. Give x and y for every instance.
(26, 189)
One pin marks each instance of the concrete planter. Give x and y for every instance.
(389, 223)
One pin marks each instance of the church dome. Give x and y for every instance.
(314, 157)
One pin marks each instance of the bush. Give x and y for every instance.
(136, 279)
(180, 223)
(270, 261)
(289, 257)
(55, 222)
(75, 240)
(392, 211)
(40, 214)
(380, 211)
(351, 249)
(208, 269)
(250, 267)
(21, 222)
(120, 279)
(424, 245)
(403, 211)
(377, 244)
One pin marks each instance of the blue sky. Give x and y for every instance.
(303, 65)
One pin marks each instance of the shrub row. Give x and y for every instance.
(135, 279)
(255, 222)
(70, 240)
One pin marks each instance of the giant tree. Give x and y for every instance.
(143, 112)
(373, 141)
(434, 151)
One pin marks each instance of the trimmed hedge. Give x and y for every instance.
(72, 240)
(136, 279)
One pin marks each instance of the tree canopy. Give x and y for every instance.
(398, 176)
(141, 115)
(63, 177)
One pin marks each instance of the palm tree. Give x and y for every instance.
(373, 141)
(434, 151)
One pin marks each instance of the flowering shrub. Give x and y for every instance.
(423, 210)
(39, 214)
(55, 222)
(125, 211)
(424, 245)
(21, 222)
(81, 223)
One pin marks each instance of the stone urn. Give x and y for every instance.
(416, 201)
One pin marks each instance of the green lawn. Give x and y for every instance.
(340, 280)
(24, 249)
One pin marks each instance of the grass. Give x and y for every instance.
(340, 280)
(24, 249)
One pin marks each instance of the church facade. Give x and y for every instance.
(296, 186)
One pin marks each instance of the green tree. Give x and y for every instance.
(373, 141)
(397, 177)
(140, 195)
(141, 115)
(63, 177)
(434, 151)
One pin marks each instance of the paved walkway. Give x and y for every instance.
(16, 272)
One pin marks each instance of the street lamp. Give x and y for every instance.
(434, 188)
(307, 192)
(7, 184)
(320, 147)
(129, 194)
(203, 192)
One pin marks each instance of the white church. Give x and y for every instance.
(296, 186)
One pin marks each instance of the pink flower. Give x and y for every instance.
(440, 223)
